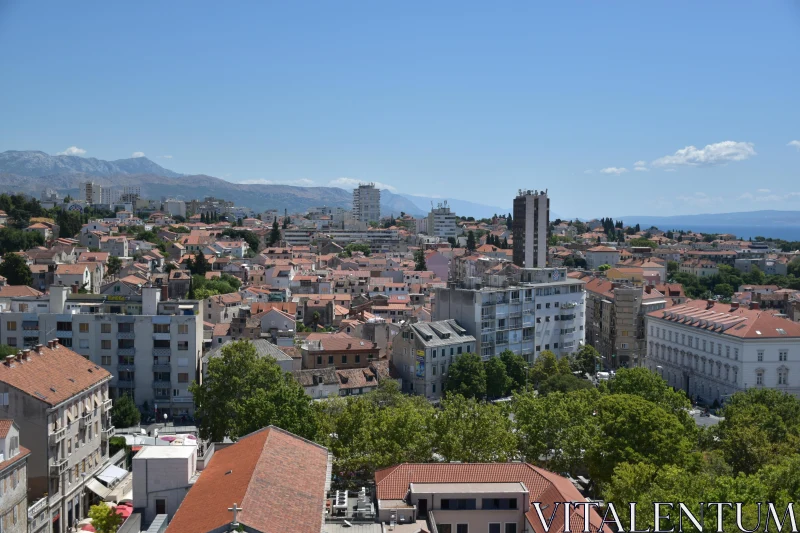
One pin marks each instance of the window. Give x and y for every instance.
(161, 506)
(84, 343)
(783, 355)
(183, 345)
(11, 325)
(67, 343)
(511, 528)
(444, 528)
(105, 328)
(459, 350)
(433, 370)
(12, 341)
(319, 360)
(499, 503)
(83, 327)
(494, 528)
(759, 377)
(330, 359)
(761, 355)
(183, 329)
(462, 528)
(160, 328)
(183, 377)
(358, 358)
(344, 359)
(433, 387)
(457, 504)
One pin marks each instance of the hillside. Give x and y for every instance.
(35, 164)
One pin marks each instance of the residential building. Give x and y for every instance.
(60, 401)
(151, 347)
(340, 350)
(442, 222)
(175, 207)
(712, 350)
(13, 479)
(267, 481)
(601, 255)
(477, 498)
(319, 382)
(367, 203)
(530, 227)
(615, 320)
(264, 348)
(702, 268)
(162, 476)
(544, 310)
(92, 193)
(423, 352)
(114, 245)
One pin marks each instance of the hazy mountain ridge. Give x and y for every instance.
(36, 164)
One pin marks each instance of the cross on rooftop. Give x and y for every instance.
(235, 510)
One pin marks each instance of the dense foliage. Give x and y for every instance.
(16, 240)
(203, 288)
(15, 270)
(125, 414)
(729, 280)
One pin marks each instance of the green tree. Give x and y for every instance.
(357, 247)
(104, 518)
(634, 430)
(672, 267)
(498, 383)
(585, 360)
(471, 241)
(243, 392)
(643, 242)
(419, 261)
(516, 369)
(15, 270)
(200, 264)
(474, 431)
(124, 414)
(724, 290)
(652, 387)
(546, 365)
(113, 265)
(556, 430)
(16, 240)
(275, 233)
(563, 383)
(467, 376)
(603, 268)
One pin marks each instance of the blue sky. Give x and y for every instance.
(469, 100)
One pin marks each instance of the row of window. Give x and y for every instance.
(126, 327)
(671, 356)
(356, 357)
(496, 527)
(693, 342)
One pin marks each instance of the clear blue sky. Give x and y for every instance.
(469, 100)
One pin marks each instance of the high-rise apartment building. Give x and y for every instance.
(442, 222)
(544, 310)
(92, 193)
(367, 203)
(151, 347)
(530, 228)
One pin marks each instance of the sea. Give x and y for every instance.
(787, 233)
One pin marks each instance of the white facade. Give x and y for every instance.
(175, 207)
(92, 193)
(162, 476)
(442, 222)
(367, 203)
(527, 318)
(747, 350)
(530, 226)
(601, 255)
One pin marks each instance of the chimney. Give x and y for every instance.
(74, 288)
(755, 305)
(710, 303)
(164, 293)
(734, 306)
(26, 355)
(39, 348)
(19, 356)
(9, 361)
(648, 289)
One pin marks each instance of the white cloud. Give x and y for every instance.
(763, 190)
(796, 144)
(137, 154)
(614, 170)
(352, 183)
(72, 150)
(640, 166)
(712, 154)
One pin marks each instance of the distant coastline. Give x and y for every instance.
(787, 233)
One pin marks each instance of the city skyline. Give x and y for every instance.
(643, 109)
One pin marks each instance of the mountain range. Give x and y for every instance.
(31, 172)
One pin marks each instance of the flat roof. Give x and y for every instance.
(165, 452)
(467, 487)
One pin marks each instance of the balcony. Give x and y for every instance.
(126, 367)
(85, 419)
(161, 336)
(162, 367)
(162, 352)
(107, 433)
(126, 351)
(126, 384)
(182, 399)
(161, 397)
(58, 468)
(64, 334)
(125, 335)
(57, 436)
(162, 384)
(107, 405)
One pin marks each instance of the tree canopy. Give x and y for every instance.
(15, 270)
(124, 413)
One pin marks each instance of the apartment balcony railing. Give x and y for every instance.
(107, 433)
(37, 507)
(125, 335)
(162, 352)
(58, 468)
(107, 405)
(162, 367)
(126, 384)
(57, 436)
(126, 351)
(129, 367)
(182, 399)
(64, 334)
(162, 384)
(85, 419)
(161, 336)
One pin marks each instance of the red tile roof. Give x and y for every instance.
(5, 425)
(54, 375)
(278, 479)
(15, 291)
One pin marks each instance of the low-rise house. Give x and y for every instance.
(162, 476)
(321, 350)
(115, 245)
(702, 268)
(264, 348)
(601, 255)
(319, 382)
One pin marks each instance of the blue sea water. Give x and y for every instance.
(787, 233)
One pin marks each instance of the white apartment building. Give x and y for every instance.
(60, 401)
(422, 353)
(152, 348)
(712, 350)
(367, 203)
(13, 480)
(545, 311)
(175, 207)
(92, 193)
(601, 255)
(530, 228)
(442, 222)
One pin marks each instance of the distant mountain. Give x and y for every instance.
(35, 164)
